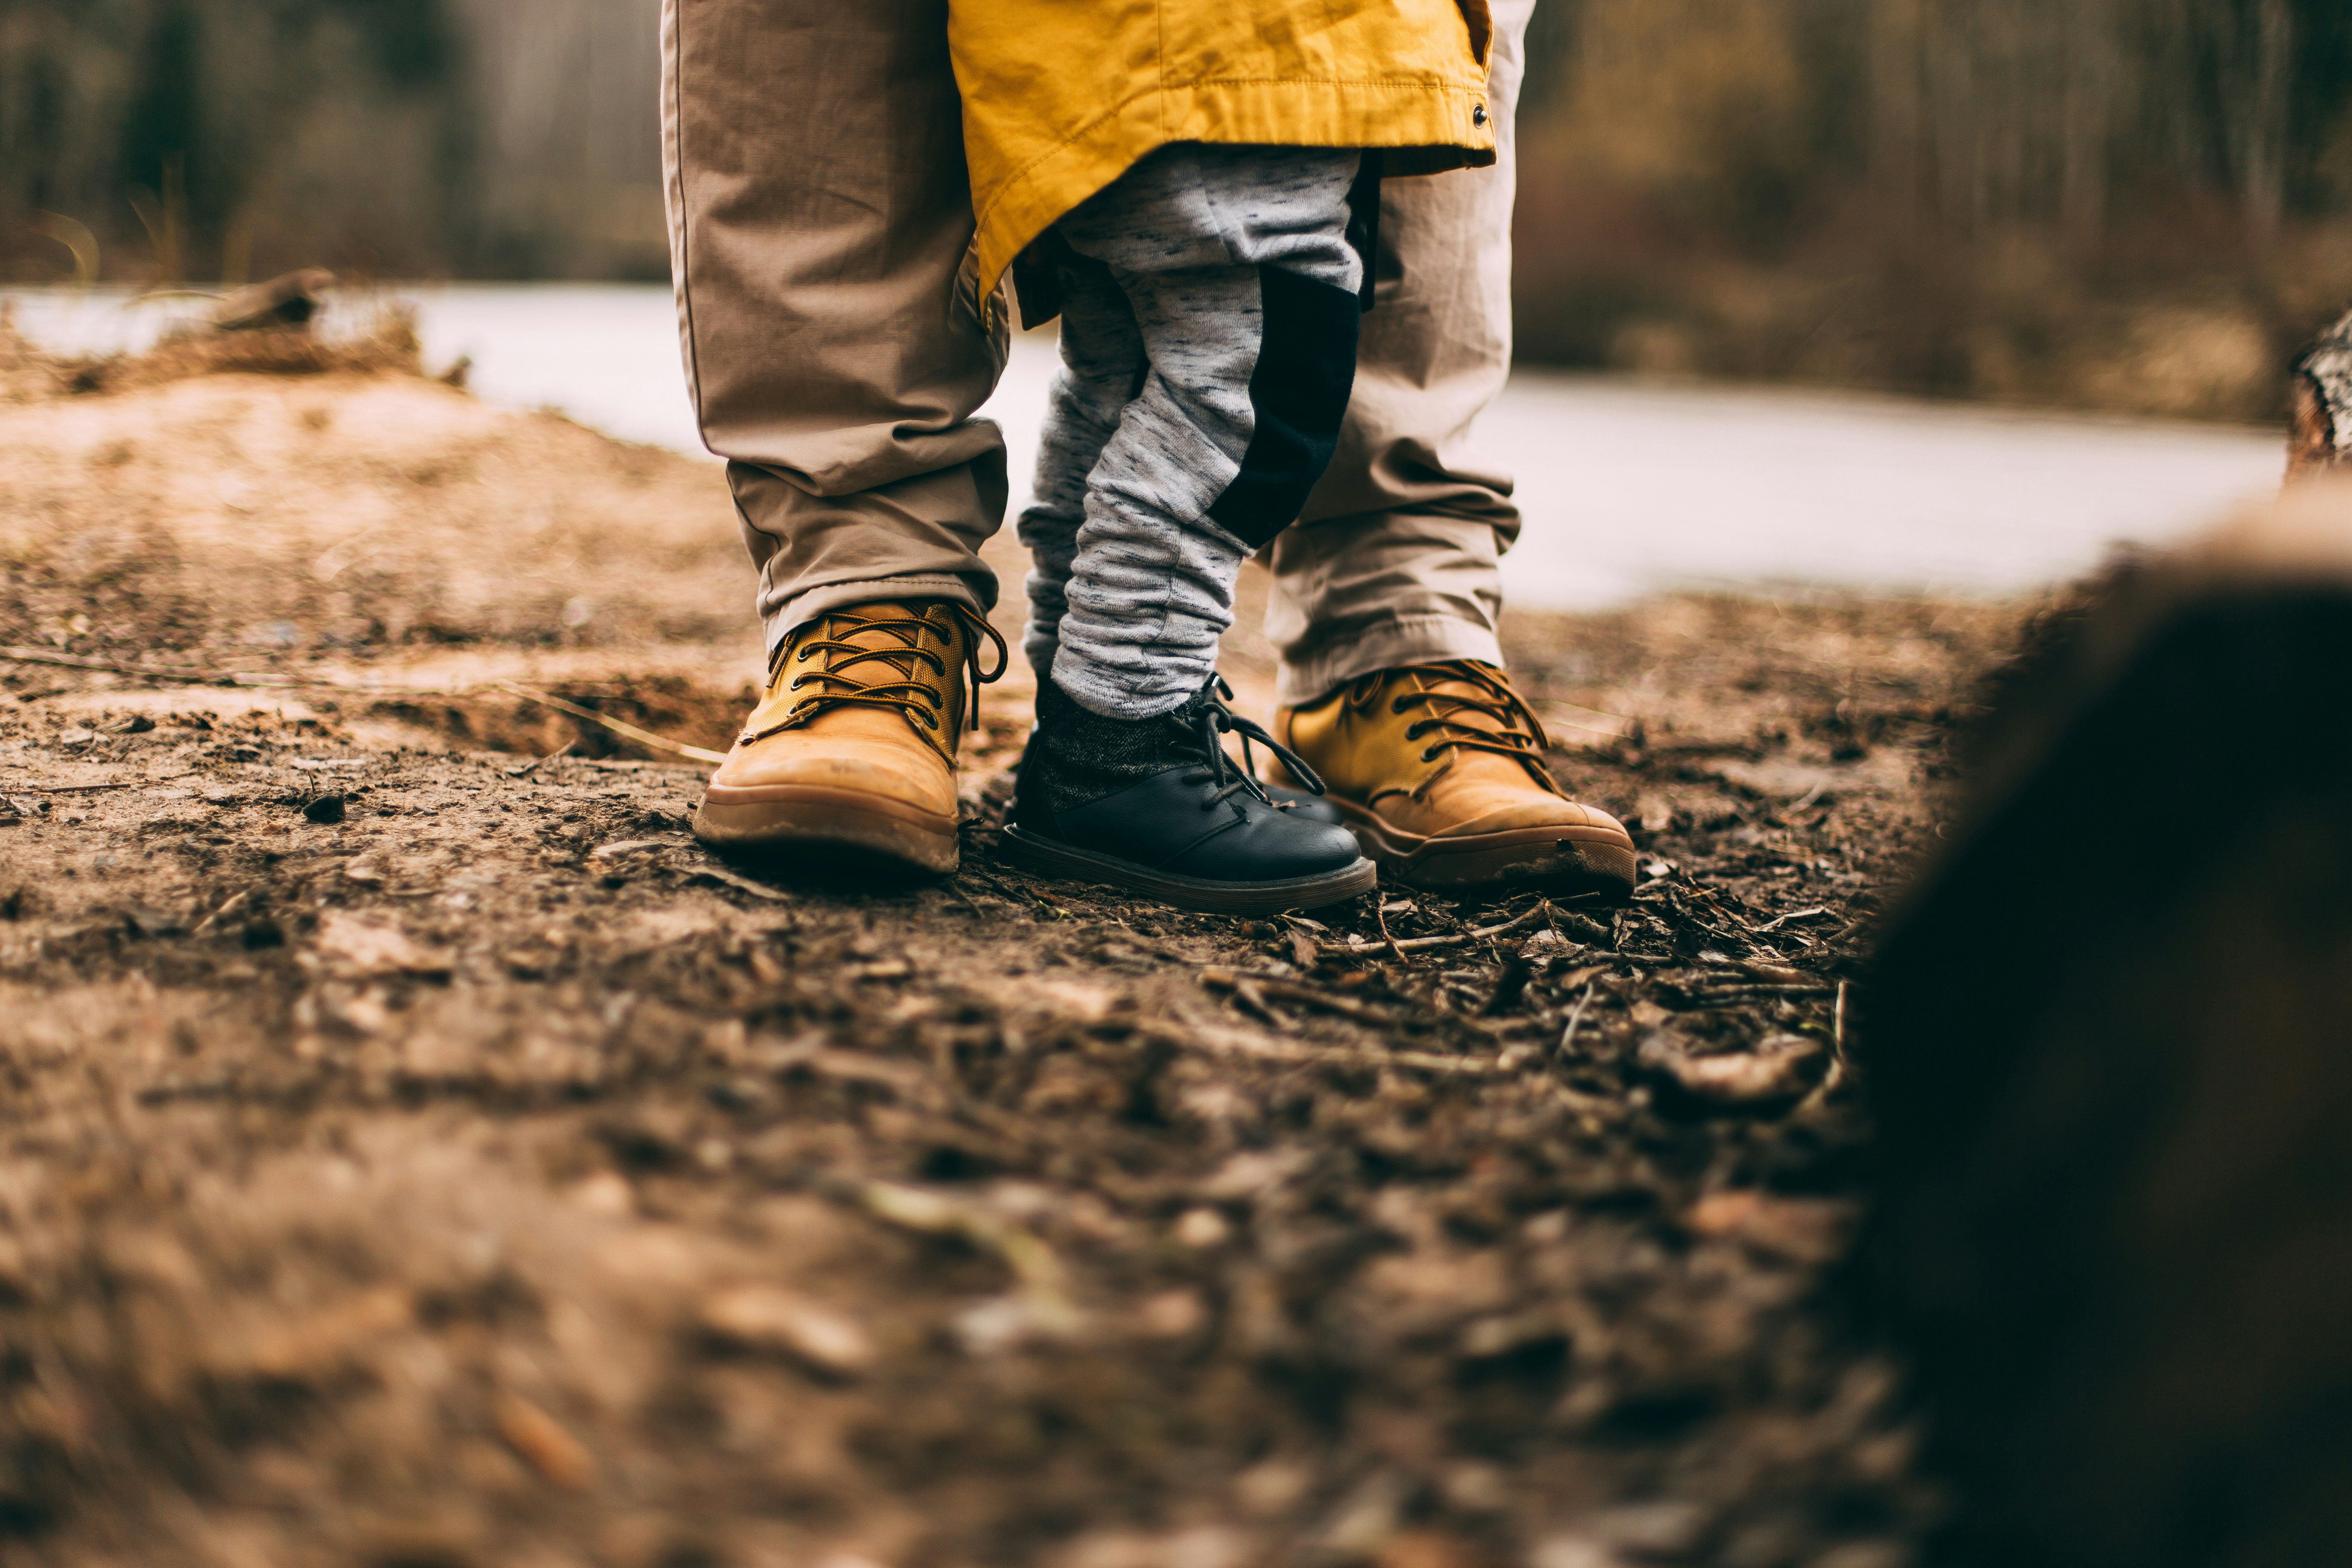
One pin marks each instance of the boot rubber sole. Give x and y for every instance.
(830, 824)
(1568, 860)
(1048, 858)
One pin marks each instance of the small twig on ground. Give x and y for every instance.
(1717, 902)
(532, 766)
(1031, 1260)
(1217, 977)
(1254, 1002)
(1775, 974)
(1575, 1018)
(1461, 939)
(742, 884)
(1235, 1042)
(607, 766)
(1756, 993)
(621, 846)
(1778, 920)
(1542, 911)
(297, 682)
(116, 666)
(1381, 919)
(1834, 1079)
(1551, 920)
(75, 789)
(227, 905)
(643, 737)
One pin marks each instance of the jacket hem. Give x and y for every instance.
(1438, 127)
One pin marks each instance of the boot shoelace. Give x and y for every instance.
(917, 698)
(1518, 733)
(1218, 720)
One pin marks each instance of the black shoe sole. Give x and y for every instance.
(1048, 858)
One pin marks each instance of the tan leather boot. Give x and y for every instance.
(1439, 770)
(853, 750)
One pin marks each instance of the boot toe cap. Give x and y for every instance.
(748, 775)
(1549, 813)
(1301, 848)
(1269, 847)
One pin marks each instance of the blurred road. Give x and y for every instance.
(1628, 487)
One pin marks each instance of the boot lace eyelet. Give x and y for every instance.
(1430, 755)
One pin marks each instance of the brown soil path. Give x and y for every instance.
(417, 1153)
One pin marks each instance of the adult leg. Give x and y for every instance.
(1395, 559)
(819, 214)
(1387, 594)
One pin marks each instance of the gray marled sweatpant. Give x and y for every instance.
(1209, 333)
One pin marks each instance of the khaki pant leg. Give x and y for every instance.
(819, 214)
(1396, 559)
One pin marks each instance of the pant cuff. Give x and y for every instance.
(1408, 639)
(802, 608)
(1107, 696)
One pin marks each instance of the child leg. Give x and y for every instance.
(1241, 287)
(1102, 369)
(1209, 346)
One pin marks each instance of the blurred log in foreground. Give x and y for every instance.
(2111, 1044)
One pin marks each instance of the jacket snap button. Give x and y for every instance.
(1478, 114)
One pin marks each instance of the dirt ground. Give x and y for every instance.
(417, 1153)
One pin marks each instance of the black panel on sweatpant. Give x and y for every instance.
(1305, 371)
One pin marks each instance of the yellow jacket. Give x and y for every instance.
(1060, 97)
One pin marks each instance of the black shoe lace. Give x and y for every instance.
(1216, 721)
(915, 698)
(1516, 732)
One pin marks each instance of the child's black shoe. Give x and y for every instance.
(1155, 806)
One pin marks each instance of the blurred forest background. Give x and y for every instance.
(2133, 204)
